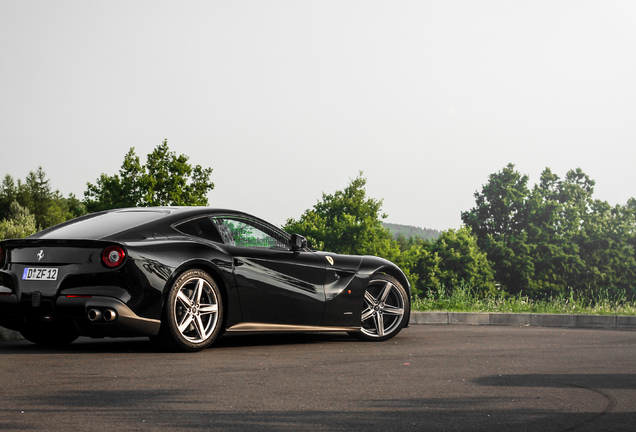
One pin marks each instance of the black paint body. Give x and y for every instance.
(276, 286)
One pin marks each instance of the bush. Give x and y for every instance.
(20, 223)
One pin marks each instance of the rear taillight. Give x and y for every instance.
(113, 256)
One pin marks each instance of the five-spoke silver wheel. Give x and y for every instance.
(193, 312)
(385, 308)
(196, 310)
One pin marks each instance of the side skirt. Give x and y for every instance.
(254, 327)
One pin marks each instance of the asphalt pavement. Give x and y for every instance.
(428, 378)
(485, 318)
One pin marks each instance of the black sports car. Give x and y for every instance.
(183, 276)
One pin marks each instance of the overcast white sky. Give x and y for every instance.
(289, 99)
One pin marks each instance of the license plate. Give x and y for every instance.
(46, 274)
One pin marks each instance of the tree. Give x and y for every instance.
(117, 191)
(462, 261)
(553, 250)
(165, 179)
(555, 238)
(8, 194)
(499, 221)
(452, 260)
(500, 209)
(47, 206)
(347, 222)
(606, 249)
(19, 223)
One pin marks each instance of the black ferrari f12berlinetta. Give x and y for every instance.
(185, 275)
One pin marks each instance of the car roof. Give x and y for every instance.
(101, 225)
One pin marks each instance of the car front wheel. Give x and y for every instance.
(193, 313)
(385, 309)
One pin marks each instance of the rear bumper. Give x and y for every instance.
(122, 320)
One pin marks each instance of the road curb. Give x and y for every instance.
(488, 318)
(525, 319)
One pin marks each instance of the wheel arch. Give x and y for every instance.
(215, 273)
(397, 274)
(388, 268)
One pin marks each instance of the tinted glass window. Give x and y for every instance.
(104, 225)
(247, 233)
(201, 227)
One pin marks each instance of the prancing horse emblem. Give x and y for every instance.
(40, 255)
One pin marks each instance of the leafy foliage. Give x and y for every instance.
(464, 298)
(499, 221)
(36, 197)
(550, 242)
(346, 222)
(461, 261)
(555, 237)
(350, 223)
(453, 259)
(165, 179)
(18, 224)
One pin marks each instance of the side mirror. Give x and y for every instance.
(297, 242)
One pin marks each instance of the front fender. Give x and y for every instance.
(346, 281)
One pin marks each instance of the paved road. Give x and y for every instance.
(429, 378)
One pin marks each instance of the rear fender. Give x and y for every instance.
(221, 271)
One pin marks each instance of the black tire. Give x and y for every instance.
(193, 313)
(50, 334)
(386, 307)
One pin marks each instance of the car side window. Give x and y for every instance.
(248, 233)
(202, 227)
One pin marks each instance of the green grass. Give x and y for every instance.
(464, 299)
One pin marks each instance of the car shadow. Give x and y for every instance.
(144, 345)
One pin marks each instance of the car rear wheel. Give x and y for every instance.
(193, 313)
(385, 309)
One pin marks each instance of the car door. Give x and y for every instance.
(275, 284)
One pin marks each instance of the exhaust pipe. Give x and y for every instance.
(94, 315)
(110, 315)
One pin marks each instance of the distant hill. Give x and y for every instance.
(411, 231)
